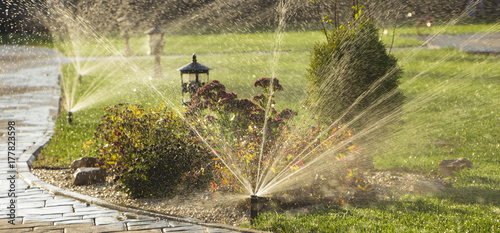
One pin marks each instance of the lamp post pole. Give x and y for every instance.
(156, 44)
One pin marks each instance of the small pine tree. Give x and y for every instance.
(352, 73)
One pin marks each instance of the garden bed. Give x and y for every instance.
(213, 207)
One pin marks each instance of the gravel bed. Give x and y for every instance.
(212, 207)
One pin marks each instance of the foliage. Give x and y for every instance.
(250, 141)
(351, 73)
(150, 151)
(243, 122)
(314, 148)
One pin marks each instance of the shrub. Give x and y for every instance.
(351, 64)
(150, 151)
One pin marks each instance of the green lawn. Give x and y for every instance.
(452, 111)
(410, 214)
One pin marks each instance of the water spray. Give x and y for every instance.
(70, 117)
(254, 211)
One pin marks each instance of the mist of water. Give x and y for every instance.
(76, 33)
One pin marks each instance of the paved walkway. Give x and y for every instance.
(29, 99)
(482, 43)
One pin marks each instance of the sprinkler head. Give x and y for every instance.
(254, 211)
(80, 78)
(70, 117)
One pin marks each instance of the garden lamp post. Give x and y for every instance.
(156, 48)
(125, 25)
(193, 76)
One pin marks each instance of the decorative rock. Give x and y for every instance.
(429, 186)
(85, 162)
(89, 175)
(447, 167)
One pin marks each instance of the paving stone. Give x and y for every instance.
(29, 197)
(29, 225)
(80, 227)
(217, 230)
(102, 214)
(42, 216)
(147, 231)
(58, 202)
(28, 205)
(94, 214)
(89, 221)
(6, 221)
(49, 229)
(88, 209)
(101, 228)
(22, 199)
(136, 217)
(187, 228)
(105, 220)
(134, 222)
(46, 210)
(77, 205)
(155, 225)
(22, 229)
(53, 220)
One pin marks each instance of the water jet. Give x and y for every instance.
(280, 173)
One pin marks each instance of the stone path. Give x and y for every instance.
(487, 43)
(29, 99)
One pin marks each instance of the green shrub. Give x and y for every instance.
(150, 151)
(166, 170)
(353, 63)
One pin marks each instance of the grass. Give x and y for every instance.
(452, 112)
(410, 214)
(457, 120)
(232, 43)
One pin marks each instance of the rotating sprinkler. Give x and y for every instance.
(254, 201)
(70, 117)
(79, 78)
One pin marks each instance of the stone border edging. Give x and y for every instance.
(26, 159)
